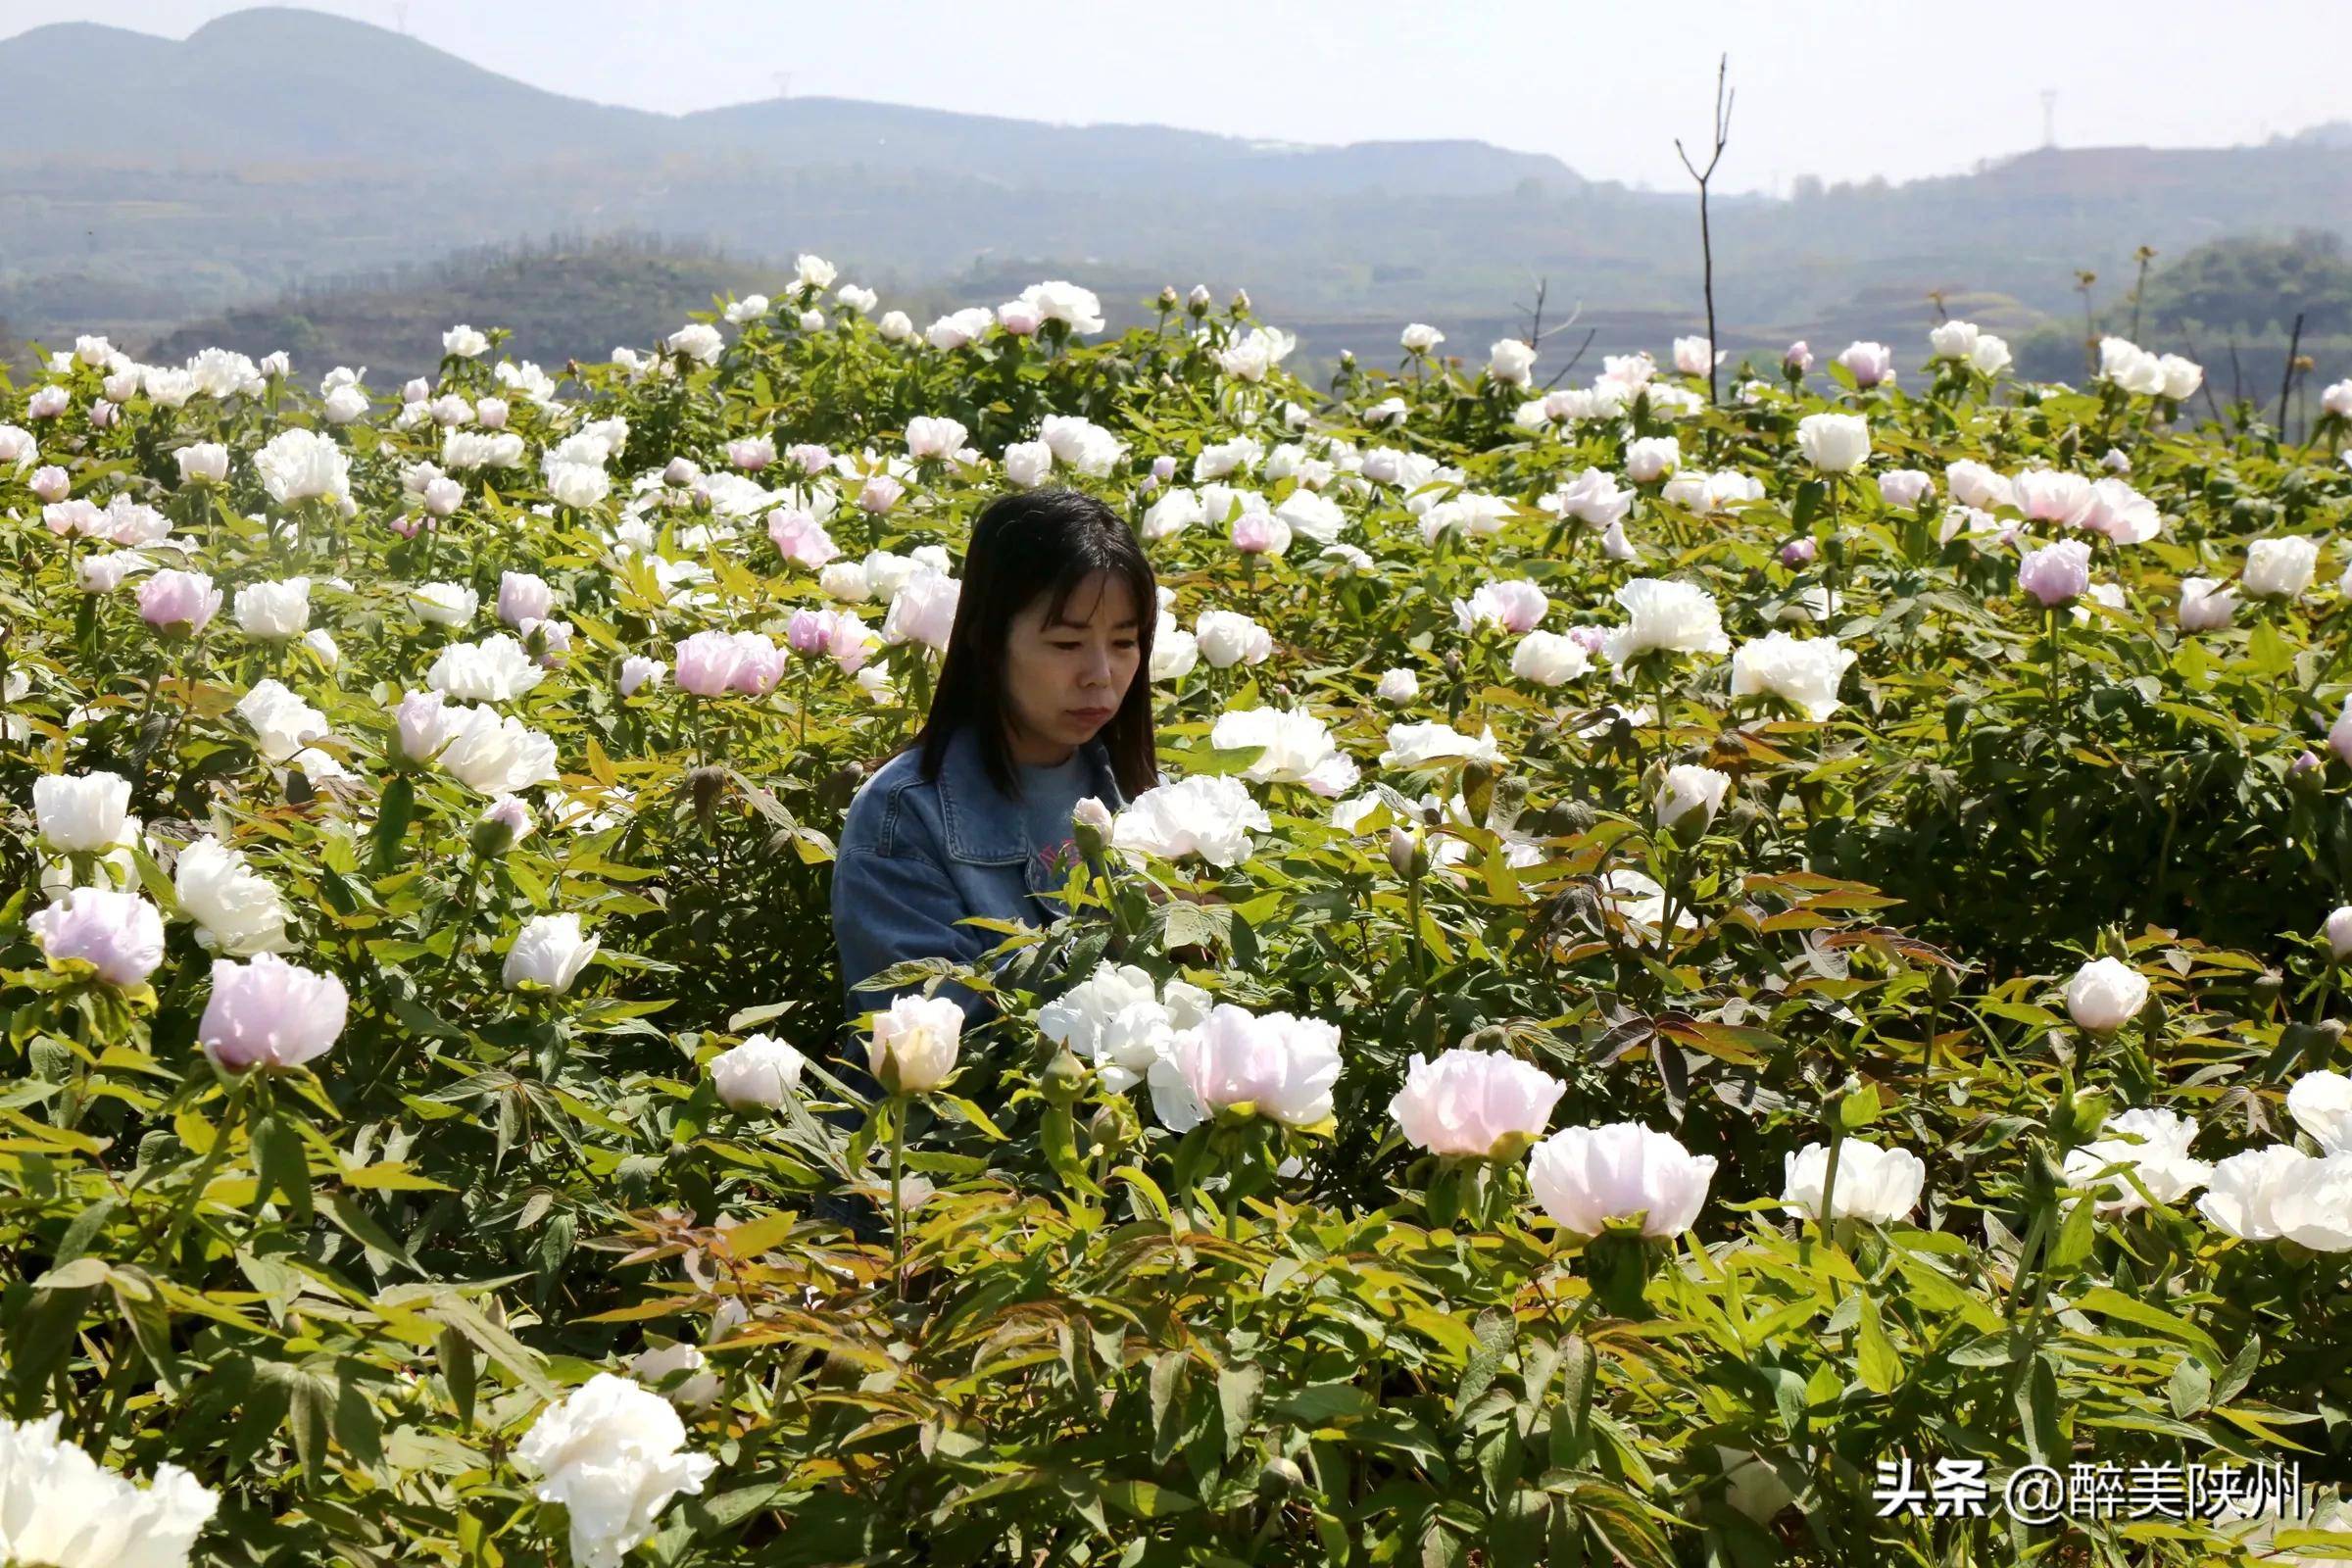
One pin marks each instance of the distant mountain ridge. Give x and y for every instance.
(336, 84)
(274, 148)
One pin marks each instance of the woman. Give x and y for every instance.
(1044, 699)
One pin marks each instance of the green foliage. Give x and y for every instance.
(342, 1294)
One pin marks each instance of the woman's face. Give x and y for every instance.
(1065, 679)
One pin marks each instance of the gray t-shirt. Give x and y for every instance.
(1048, 797)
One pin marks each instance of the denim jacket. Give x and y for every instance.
(916, 857)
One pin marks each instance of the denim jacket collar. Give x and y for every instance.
(981, 829)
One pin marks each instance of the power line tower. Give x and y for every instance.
(2049, 117)
(783, 82)
(399, 17)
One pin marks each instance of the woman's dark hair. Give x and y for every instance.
(1023, 544)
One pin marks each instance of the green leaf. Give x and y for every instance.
(1322, 1403)
(2109, 1303)
(393, 811)
(459, 1370)
(282, 1164)
(1880, 1369)
(1142, 1499)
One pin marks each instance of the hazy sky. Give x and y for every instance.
(1839, 89)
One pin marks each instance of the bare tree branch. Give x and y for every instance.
(1706, 238)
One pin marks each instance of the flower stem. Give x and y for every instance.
(897, 1200)
(194, 1194)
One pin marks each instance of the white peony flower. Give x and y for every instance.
(914, 1042)
(1834, 443)
(1298, 748)
(760, 1072)
(1549, 659)
(1417, 745)
(1803, 671)
(1874, 1184)
(2279, 568)
(549, 952)
(1226, 638)
(297, 465)
(491, 753)
(495, 669)
(1664, 614)
(275, 610)
(1212, 816)
(1474, 1103)
(609, 1451)
(2154, 1145)
(1276, 1066)
(60, 1508)
(1584, 1177)
(236, 910)
(81, 814)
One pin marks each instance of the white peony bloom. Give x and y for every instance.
(2320, 1103)
(1834, 443)
(1511, 360)
(549, 952)
(1212, 816)
(491, 753)
(2130, 366)
(298, 465)
(1512, 604)
(1474, 1103)
(923, 610)
(656, 1367)
(1227, 638)
(1416, 745)
(699, 341)
(1691, 790)
(609, 1451)
(1803, 671)
(2279, 568)
(2243, 1194)
(914, 1042)
(81, 814)
(284, 725)
(275, 610)
(1874, 1184)
(59, 1508)
(1067, 303)
(236, 910)
(1549, 659)
(1174, 650)
(1584, 1177)
(2206, 602)
(1276, 1066)
(2154, 1145)
(444, 604)
(495, 669)
(1664, 615)
(1298, 748)
(761, 1071)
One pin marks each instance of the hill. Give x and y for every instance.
(186, 201)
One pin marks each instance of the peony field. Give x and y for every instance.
(1736, 961)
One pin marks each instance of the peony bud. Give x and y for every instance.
(2055, 575)
(2104, 995)
(548, 954)
(913, 1044)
